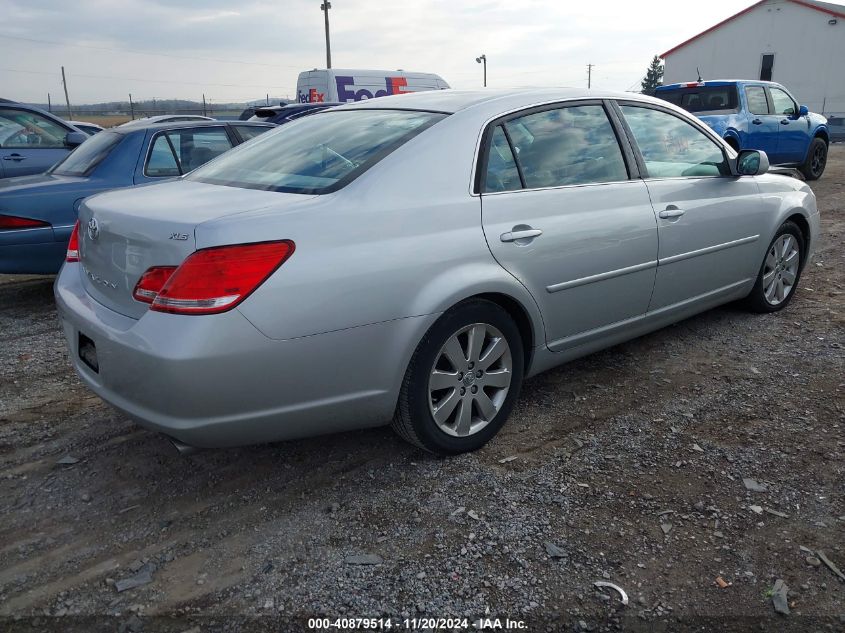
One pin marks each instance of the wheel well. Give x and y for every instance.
(822, 135)
(730, 140)
(520, 317)
(802, 223)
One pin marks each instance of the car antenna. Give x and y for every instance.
(699, 74)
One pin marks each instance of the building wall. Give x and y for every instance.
(809, 53)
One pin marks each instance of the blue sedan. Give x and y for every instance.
(37, 213)
(32, 140)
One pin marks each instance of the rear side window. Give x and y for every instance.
(316, 155)
(573, 145)
(247, 132)
(502, 173)
(672, 147)
(702, 98)
(177, 152)
(757, 103)
(83, 160)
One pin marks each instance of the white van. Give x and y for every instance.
(335, 85)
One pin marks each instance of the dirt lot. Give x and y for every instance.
(626, 466)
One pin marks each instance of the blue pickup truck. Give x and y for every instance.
(760, 115)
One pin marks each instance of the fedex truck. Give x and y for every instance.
(336, 85)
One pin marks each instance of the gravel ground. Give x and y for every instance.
(633, 466)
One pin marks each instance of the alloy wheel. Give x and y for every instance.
(819, 159)
(470, 379)
(781, 269)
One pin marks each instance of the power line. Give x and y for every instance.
(139, 52)
(155, 81)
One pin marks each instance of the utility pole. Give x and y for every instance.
(131, 107)
(483, 60)
(67, 99)
(590, 75)
(325, 9)
(49, 103)
(203, 105)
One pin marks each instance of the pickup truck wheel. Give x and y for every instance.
(813, 167)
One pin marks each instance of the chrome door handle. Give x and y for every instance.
(524, 234)
(671, 212)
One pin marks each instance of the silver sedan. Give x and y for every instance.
(413, 258)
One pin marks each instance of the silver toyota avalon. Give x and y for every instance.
(413, 258)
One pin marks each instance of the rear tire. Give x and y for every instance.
(780, 272)
(462, 381)
(813, 167)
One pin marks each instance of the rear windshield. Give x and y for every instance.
(82, 160)
(316, 155)
(701, 98)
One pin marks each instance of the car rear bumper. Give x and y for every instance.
(215, 380)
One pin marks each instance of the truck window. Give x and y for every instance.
(701, 98)
(756, 97)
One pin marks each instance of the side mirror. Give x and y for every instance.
(75, 138)
(803, 111)
(752, 162)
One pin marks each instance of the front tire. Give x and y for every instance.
(813, 167)
(778, 278)
(462, 381)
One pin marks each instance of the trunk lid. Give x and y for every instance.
(124, 233)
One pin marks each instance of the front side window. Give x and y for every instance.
(757, 103)
(83, 160)
(573, 145)
(179, 151)
(316, 155)
(782, 102)
(21, 129)
(672, 147)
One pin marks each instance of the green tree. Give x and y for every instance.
(653, 76)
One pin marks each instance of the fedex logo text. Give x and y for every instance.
(312, 96)
(346, 89)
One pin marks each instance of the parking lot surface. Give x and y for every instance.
(632, 466)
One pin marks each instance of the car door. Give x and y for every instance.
(794, 134)
(562, 214)
(175, 152)
(708, 221)
(763, 126)
(29, 143)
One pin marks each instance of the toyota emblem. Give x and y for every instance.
(93, 229)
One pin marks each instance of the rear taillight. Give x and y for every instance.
(73, 245)
(217, 279)
(12, 222)
(152, 282)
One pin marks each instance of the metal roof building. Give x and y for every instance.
(798, 43)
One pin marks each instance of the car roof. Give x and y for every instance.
(718, 82)
(452, 101)
(176, 125)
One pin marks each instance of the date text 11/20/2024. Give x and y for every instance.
(411, 624)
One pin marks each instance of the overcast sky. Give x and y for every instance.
(182, 49)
